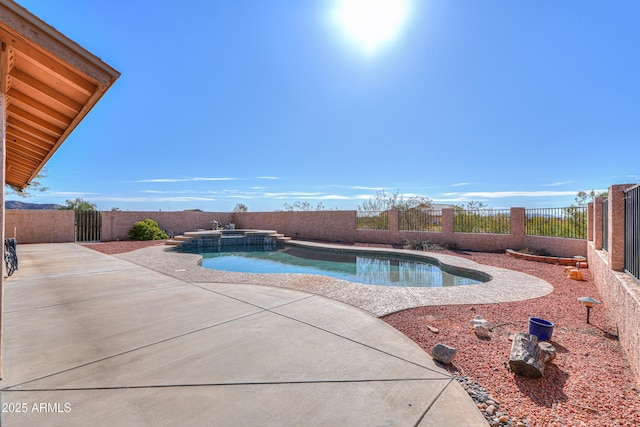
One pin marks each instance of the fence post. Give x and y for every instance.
(595, 224)
(518, 227)
(447, 220)
(394, 221)
(616, 227)
(589, 219)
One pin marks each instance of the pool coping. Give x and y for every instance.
(505, 285)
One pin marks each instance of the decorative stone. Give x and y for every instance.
(481, 331)
(548, 351)
(478, 320)
(526, 359)
(443, 353)
(575, 274)
(433, 329)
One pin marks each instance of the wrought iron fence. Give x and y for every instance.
(372, 220)
(568, 222)
(605, 224)
(420, 220)
(495, 221)
(632, 231)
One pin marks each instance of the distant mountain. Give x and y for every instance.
(15, 204)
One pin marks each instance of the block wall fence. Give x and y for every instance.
(57, 226)
(619, 291)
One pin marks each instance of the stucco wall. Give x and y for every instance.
(34, 226)
(40, 226)
(116, 224)
(620, 294)
(329, 226)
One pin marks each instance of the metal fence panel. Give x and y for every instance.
(568, 222)
(495, 221)
(372, 220)
(632, 231)
(420, 220)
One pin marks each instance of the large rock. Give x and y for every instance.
(443, 353)
(548, 351)
(481, 331)
(481, 327)
(526, 357)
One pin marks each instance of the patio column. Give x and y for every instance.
(3, 163)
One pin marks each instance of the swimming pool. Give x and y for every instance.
(358, 267)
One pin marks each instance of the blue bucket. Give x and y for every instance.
(543, 329)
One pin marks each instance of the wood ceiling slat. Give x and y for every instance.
(18, 158)
(21, 168)
(18, 113)
(17, 133)
(54, 95)
(46, 140)
(41, 73)
(21, 164)
(49, 64)
(25, 102)
(27, 149)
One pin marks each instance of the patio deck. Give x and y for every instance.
(93, 339)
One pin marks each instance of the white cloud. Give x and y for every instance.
(152, 199)
(70, 193)
(163, 180)
(558, 184)
(358, 187)
(461, 184)
(504, 194)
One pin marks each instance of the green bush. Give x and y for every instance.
(147, 230)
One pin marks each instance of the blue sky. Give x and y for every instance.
(271, 102)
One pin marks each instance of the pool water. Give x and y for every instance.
(351, 266)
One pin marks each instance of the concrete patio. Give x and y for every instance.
(93, 339)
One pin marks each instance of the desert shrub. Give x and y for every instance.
(147, 230)
(425, 245)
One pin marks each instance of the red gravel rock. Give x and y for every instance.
(119, 247)
(590, 383)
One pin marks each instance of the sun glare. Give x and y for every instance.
(371, 24)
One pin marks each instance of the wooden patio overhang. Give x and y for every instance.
(49, 82)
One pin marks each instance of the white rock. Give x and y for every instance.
(478, 320)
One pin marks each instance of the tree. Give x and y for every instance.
(471, 206)
(35, 186)
(303, 206)
(383, 202)
(241, 207)
(79, 205)
(583, 198)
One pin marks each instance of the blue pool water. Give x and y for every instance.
(351, 266)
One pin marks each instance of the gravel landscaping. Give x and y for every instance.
(590, 383)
